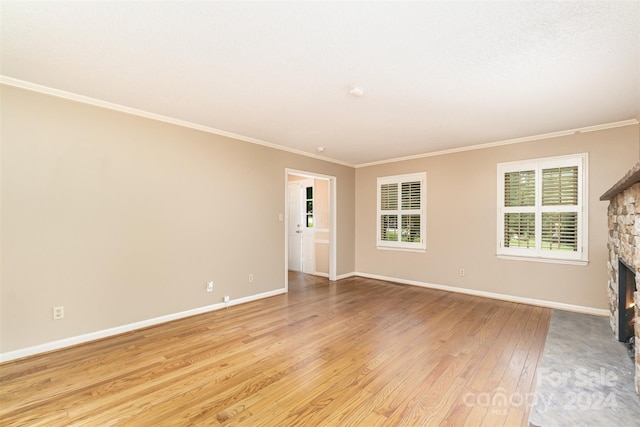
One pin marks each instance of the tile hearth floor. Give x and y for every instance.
(585, 377)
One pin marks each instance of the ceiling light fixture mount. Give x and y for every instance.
(356, 91)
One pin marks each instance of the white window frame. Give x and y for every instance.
(420, 246)
(579, 257)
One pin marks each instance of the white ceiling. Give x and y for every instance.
(436, 75)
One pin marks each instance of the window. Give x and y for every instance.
(309, 206)
(542, 208)
(401, 211)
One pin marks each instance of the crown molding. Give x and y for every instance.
(507, 142)
(9, 81)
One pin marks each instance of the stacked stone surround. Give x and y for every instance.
(624, 244)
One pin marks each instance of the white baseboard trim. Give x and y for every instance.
(80, 339)
(92, 336)
(345, 276)
(502, 297)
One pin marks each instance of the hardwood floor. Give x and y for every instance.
(357, 352)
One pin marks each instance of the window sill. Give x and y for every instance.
(545, 260)
(388, 248)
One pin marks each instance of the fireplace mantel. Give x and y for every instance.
(632, 177)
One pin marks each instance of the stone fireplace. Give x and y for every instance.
(624, 261)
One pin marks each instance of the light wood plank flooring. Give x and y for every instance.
(358, 352)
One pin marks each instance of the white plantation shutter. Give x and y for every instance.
(560, 231)
(560, 213)
(519, 203)
(389, 228)
(401, 211)
(541, 205)
(560, 186)
(411, 193)
(389, 196)
(520, 188)
(520, 230)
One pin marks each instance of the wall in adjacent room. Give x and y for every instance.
(321, 224)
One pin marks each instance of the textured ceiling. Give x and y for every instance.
(435, 75)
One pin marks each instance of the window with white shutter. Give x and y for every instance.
(542, 211)
(401, 211)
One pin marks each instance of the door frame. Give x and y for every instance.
(332, 220)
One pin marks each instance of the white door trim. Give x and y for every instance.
(333, 216)
(295, 252)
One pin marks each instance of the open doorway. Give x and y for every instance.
(310, 245)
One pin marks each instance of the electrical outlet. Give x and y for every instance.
(210, 286)
(461, 272)
(250, 278)
(58, 313)
(226, 298)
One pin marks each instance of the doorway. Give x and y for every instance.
(302, 251)
(310, 242)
